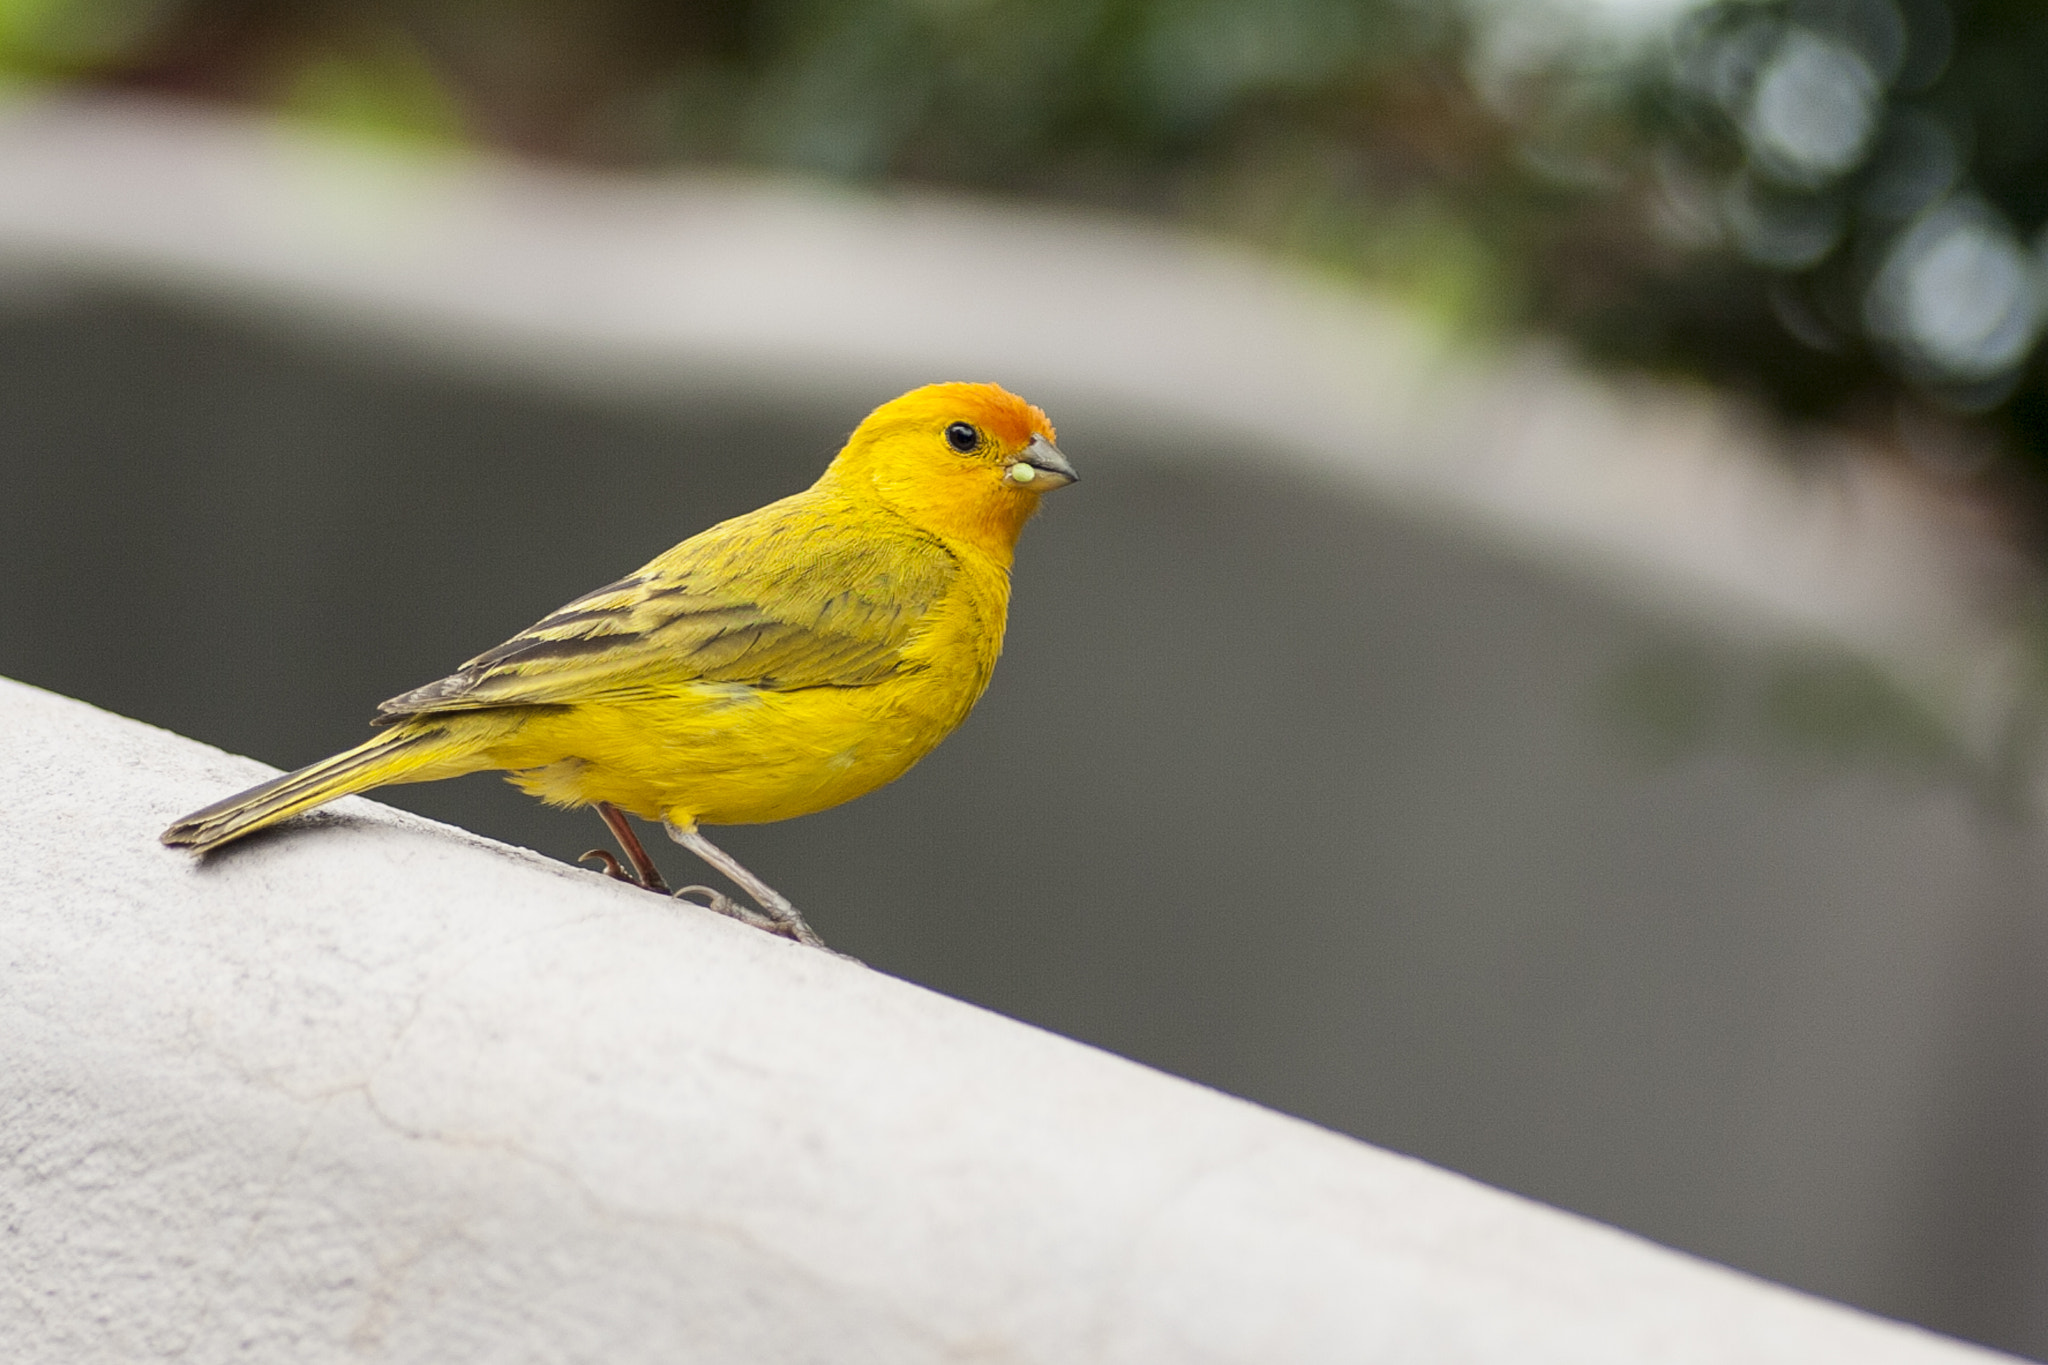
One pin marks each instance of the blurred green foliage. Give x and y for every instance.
(1834, 205)
(1852, 194)
(53, 39)
(386, 90)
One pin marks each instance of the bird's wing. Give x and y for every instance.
(772, 601)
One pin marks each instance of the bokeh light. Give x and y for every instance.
(1959, 296)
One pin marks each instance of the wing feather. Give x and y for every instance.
(783, 598)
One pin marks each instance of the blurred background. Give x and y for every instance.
(1543, 670)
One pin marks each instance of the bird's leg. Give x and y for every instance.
(776, 914)
(644, 872)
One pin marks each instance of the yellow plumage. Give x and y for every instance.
(775, 665)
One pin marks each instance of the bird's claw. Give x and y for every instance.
(612, 866)
(792, 928)
(721, 904)
(619, 871)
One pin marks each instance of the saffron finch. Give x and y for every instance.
(775, 665)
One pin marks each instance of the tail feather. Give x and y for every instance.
(395, 756)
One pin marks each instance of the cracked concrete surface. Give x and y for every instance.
(373, 1088)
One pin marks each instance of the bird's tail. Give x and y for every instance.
(397, 755)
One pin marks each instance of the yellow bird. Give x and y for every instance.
(775, 665)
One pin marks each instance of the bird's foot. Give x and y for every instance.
(618, 871)
(781, 920)
(721, 904)
(771, 909)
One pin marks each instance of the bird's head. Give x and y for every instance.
(966, 461)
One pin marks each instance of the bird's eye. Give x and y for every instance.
(962, 437)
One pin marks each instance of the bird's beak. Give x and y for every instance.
(1041, 467)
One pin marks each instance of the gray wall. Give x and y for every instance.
(1359, 817)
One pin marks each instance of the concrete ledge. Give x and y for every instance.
(381, 1089)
